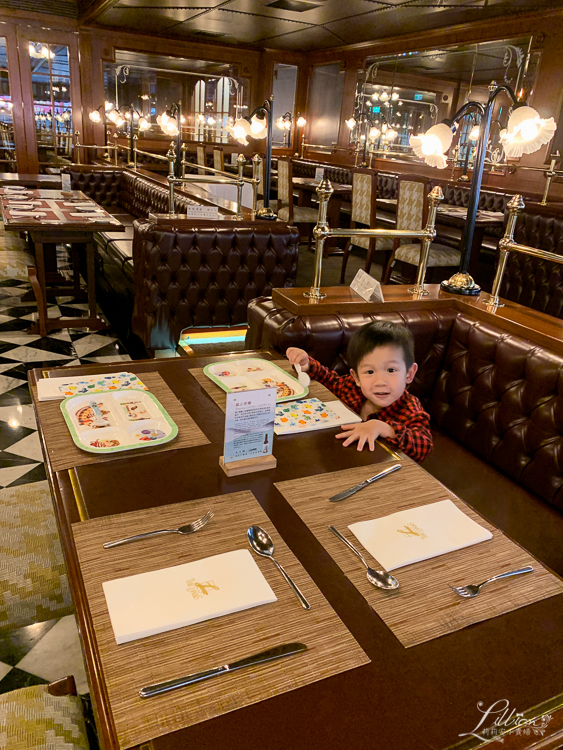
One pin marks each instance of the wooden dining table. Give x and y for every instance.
(430, 695)
(58, 217)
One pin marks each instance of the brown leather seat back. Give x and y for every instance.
(502, 398)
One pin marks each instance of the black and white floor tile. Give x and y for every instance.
(50, 650)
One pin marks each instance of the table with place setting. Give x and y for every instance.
(51, 217)
(193, 636)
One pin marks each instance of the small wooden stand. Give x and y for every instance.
(248, 465)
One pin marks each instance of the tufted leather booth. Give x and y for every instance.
(205, 276)
(496, 402)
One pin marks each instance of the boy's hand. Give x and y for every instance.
(365, 433)
(298, 357)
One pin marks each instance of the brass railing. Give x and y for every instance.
(507, 245)
(76, 146)
(226, 179)
(550, 174)
(322, 232)
(318, 146)
(158, 157)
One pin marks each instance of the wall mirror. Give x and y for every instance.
(283, 111)
(140, 85)
(402, 95)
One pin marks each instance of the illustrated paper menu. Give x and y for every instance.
(150, 603)
(311, 414)
(249, 424)
(54, 388)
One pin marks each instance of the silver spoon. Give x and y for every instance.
(262, 544)
(380, 578)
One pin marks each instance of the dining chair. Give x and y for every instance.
(43, 716)
(363, 216)
(201, 158)
(218, 159)
(412, 213)
(293, 215)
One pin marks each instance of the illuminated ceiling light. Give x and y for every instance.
(394, 96)
(351, 123)
(432, 145)
(375, 96)
(201, 118)
(384, 96)
(526, 132)
(211, 121)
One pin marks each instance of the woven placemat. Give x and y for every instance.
(316, 390)
(424, 607)
(64, 454)
(131, 666)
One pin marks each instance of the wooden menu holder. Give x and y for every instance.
(248, 465)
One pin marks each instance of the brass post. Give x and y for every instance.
(115, 149)
(135, 139)
(434, 197)
(76, 147)
(550, 174)
(183, 162)
(302, 145)
(515, 205)
(255, 181)
(241, 161)
(171, 156)
(324, 191)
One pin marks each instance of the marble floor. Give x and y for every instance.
(50, 650)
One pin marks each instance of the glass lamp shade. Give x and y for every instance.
(164, 117)
(432, 145)
(108, 106)
(113, 116)
(211, 121)
(351, 123)
(374, 133)
(391, 135)
(384, 96)
(170, 127)
(144, 124)
(474, 134)
(526, 132)
(258, 127)
(119, 121)
(301, 122)
(240, 130)
(95, 116)
(279, 123)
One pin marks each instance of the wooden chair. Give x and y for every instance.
(298, 215)
(218, 159)
(412, 213)
(363, 215)
(201, 158)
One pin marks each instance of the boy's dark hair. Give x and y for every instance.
(376, 334)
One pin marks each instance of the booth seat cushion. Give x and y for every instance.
(104, 187)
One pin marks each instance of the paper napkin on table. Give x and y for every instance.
(311, 414)
(80, 385)
(417, 534)
(150, 603)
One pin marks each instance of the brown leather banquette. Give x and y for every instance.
(205, 276)
(167, 277)
(496, 402)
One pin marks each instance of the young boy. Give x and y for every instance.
(381, 358)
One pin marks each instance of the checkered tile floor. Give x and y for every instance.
(45, 651)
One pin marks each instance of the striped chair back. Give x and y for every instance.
(363, 197)
(285, 187)
(218, 159)
(201, 158)
(412, 203)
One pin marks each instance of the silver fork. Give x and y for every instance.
(471, 590)
(189, 528)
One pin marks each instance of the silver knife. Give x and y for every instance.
(278, 652)
(346, 493)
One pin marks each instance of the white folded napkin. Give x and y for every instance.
(418, 534)
(150, 603)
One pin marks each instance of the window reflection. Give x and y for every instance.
(50, 79)
(7, 145)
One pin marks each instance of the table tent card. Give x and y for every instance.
(58, 388)
(310, 414)
(367, 287)
(410, 536)
(249, 425)
(162, 600)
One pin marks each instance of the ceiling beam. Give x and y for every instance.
(96, 8)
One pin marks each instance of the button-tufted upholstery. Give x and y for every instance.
(496, 402)
(531, 281)
(205, 276)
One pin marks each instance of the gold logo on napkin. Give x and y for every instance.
(411, 529)
(199, 590)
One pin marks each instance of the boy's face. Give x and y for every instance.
(382, 375)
